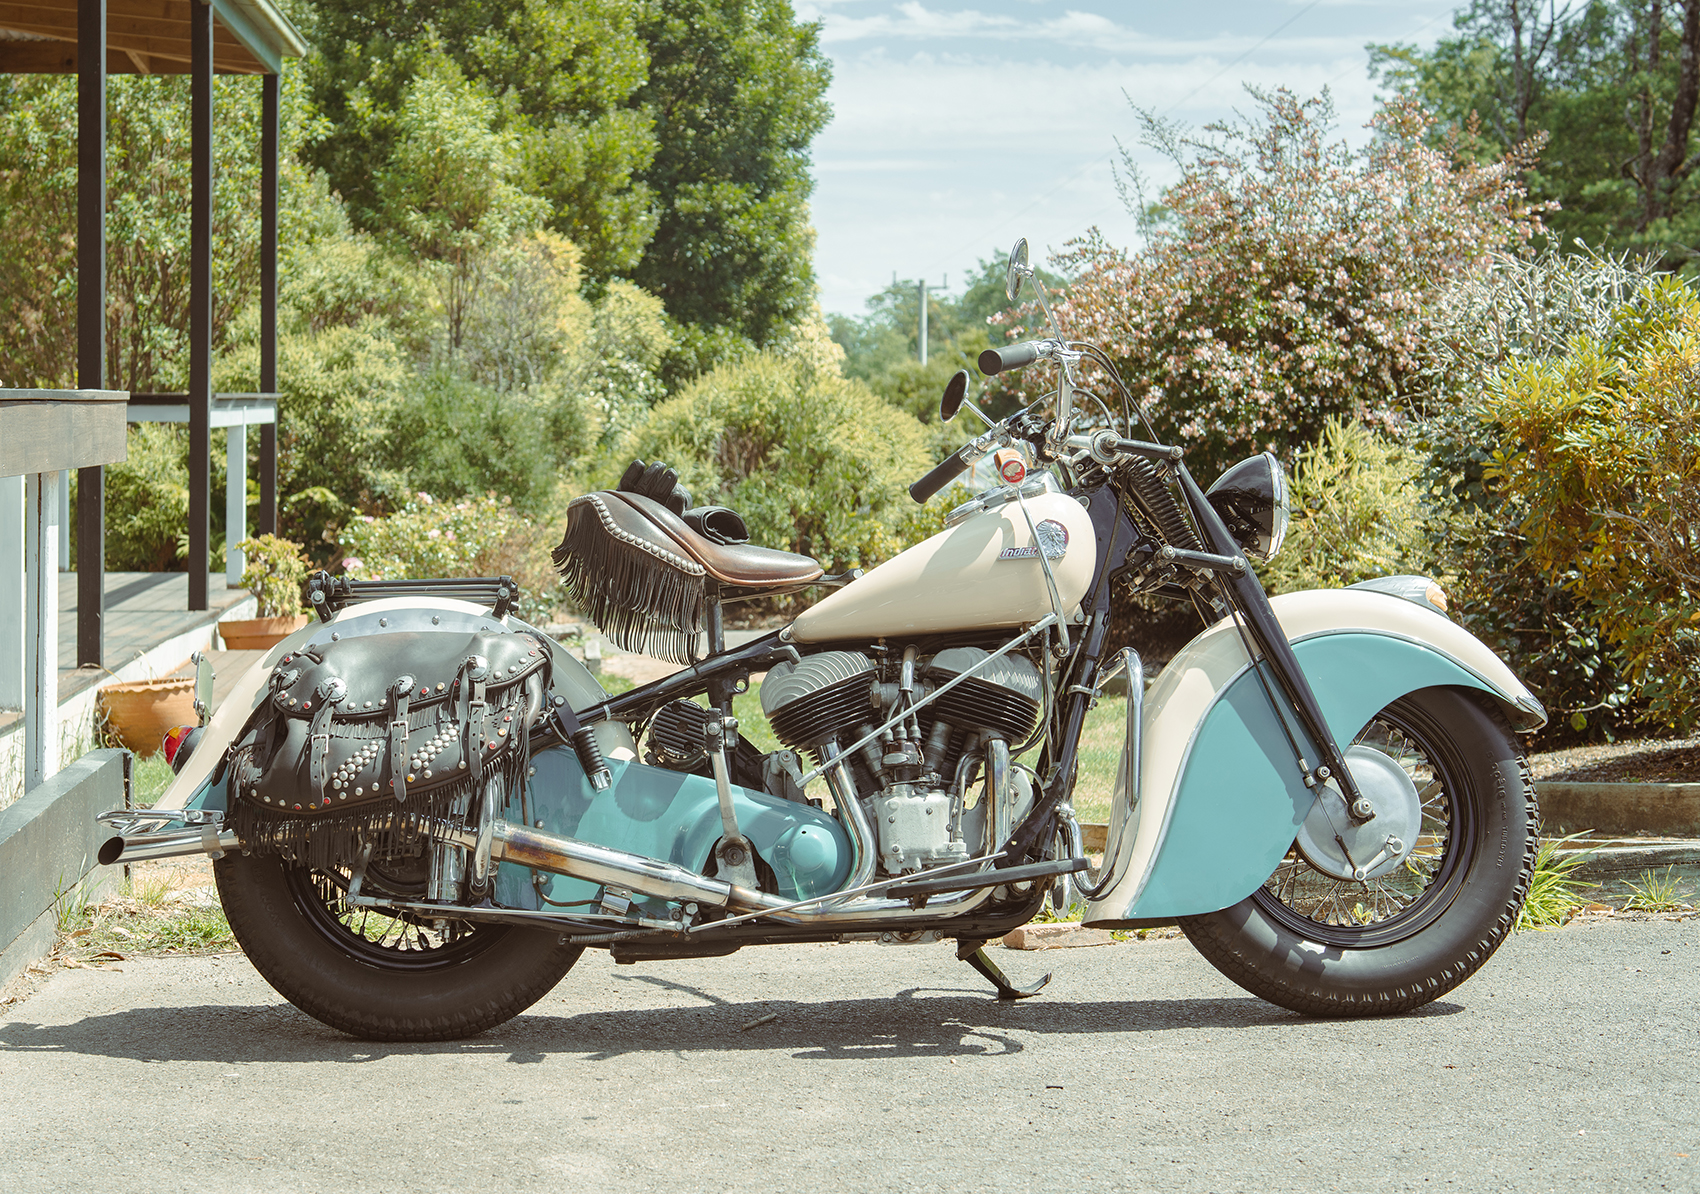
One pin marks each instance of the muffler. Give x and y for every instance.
(140, 838)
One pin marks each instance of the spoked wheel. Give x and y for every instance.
(1381, 918)
(378, 976)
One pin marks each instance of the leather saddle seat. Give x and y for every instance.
(738, 566)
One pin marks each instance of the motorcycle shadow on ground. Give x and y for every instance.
(916, 1023)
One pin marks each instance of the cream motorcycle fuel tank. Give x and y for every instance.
(984, 572)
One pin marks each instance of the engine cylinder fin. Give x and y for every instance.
(810, 702)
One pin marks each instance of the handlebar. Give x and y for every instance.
(1014, 356)
(944, 473)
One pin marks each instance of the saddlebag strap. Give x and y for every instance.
(475, 675)
(400, 691)
(329, 694)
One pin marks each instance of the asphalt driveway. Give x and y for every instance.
(1571, 1063)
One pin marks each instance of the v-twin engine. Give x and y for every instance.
(915, 781)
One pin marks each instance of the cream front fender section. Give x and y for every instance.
(1220, 795)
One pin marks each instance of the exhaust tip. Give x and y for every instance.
(111, 851)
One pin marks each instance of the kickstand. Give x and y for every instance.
(974, 953)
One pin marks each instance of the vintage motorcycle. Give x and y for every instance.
(423, 810)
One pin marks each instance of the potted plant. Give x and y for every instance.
(138, 713)
(275, 572)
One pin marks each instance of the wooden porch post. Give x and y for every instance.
(200, 298)
(91, 316)
(266, 524)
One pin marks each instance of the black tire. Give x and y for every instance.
(376, 977)
(1291, 943)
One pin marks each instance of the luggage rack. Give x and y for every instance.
(330, 594)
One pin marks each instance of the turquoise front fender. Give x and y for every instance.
(1218, 808)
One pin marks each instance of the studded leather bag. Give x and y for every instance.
(392, 718)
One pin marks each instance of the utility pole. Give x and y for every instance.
(923, 289)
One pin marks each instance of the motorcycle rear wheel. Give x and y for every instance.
(376, 977)
(1314, 946)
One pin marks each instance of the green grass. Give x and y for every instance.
(1555, 892)
(151, 777)
(1657, 893)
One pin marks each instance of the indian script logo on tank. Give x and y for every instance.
(1053, 539)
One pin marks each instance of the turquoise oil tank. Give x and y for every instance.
(673, 817)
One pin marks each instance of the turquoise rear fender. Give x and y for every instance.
(1221, 797)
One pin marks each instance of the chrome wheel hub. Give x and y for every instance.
(1333, 844)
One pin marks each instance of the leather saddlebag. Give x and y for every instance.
(364, 740)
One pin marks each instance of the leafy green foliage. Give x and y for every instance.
(736, 89)
(1519, 310)
(1599, 451)
(815, 462)
(1357, 512)
(147, 502)
(275, 572)
(553, 81)
(1555, 890)
(1599, 85)
(481, 536)
(147, 226)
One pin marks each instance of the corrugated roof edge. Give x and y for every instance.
(263, 30)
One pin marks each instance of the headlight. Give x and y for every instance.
(1251, 497)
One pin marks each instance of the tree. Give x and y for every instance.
(1611, 87)
(446, 189)
(736, 89)
(559, 76)
(147, 263)
(1292, 278)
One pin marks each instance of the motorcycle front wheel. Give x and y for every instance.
(375, 976)
(1328, 947)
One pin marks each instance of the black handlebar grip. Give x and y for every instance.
(948, 470)
(996, 360)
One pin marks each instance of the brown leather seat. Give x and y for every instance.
(739, 565)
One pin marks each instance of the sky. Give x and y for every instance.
(959, 125)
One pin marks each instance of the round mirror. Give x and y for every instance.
(955, 390)
(1017, 269)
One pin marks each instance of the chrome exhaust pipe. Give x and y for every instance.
(663, 880)
(208, 839)
(612, 868)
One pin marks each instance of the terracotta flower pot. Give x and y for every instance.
(257, 634)
(140, 712)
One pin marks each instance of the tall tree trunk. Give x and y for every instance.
(1672, 164)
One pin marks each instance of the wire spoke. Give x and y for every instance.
(1322, 899)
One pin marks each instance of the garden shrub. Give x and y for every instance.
(1357, 512)
(1601, 456)
(480, 536)
(1286, 278)
(1518, 311)
(815, 462)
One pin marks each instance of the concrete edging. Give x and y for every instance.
(48, 846)
(1664, 810)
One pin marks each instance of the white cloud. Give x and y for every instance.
(957, 129)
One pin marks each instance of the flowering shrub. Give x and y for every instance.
(482, 536)
(1288, 278)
